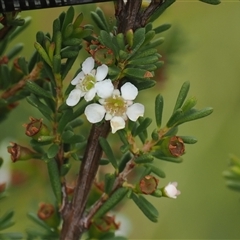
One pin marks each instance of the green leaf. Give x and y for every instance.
(234, 185)
(70, 52)
(155, 170)
(73, 139)
(108, 151)
(138, 39)
(109, 182)
(54, 176)
(58, 42)
(189, 104)
(75, 123)
(42, 53)
(68, 65)
(56, 63)
(159, 109)
(137, 73)
(66, 117)
(45, 138)
(144, 60)
(6, 218)
(182, 95)
(142, 85)
(146, 207)
(121, 41)
(162, 28)
(153, 44)
(159, 155)
(144, 158)
(194, 115)
(188, 139)
(106, 40)
(173, 120)
(68, 18)
(142, 126)
(72, 42)
(111, 202)
(103, 18)
(68, 30)
(15, 50)
(11, 236)
(5, 76)
(52, 151)
(99, 21)
(160, 10)
(45, 110)
(213, 2)
(149, 36)
(34, 88)
(145, 53)
(38, 221)
(78, 20)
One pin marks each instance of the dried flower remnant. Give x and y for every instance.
(148, 184)
(176, 146)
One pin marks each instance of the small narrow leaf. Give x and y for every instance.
(109, 182)
(55, 178)
(142, 126)
(196, 115)
(188, 139)
(158, 110)
(173, 120)
(66, 117)
(137, 73)
(34, 88)
(103, 18)
(146, 207)
(155, 170)
(182, 95)
(99, 21)
(145, 158)
(162, 28)
(38, 221)
(52, 151)
(42, 53)
(168, 159)
(111, 202)
(68, 18)
(108, 151)
(78, 20)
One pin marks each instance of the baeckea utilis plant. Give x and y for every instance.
(122, 60)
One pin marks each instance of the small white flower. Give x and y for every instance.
(171, 190)
(90, 82)
(117, 108)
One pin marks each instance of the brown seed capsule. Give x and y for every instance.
(176, 146)
(148, 184)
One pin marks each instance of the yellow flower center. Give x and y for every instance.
(87, 83)
(115, 105)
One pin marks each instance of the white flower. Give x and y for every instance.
(90, 82)
(171, 190)
(117, 108)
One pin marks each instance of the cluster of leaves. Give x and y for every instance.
(131, 57)
(232, 175)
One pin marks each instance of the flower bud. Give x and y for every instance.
(148, 184)
(20, 153)
(36, 128)
(173, 146)
(49, 215)
(171, 190)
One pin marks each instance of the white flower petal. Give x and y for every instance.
(117, 123)
(74, 97)
(108, 116)
(88, 65)
(102, 72)
(78, 78)
(104, 88)
(129, 91)
(90, 94)
(94, 112)
(135, 111)
(171, 191)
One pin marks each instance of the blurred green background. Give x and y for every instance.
(206, 40)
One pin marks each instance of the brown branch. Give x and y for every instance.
(118, 183)
(33, 75)
(73, 212)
